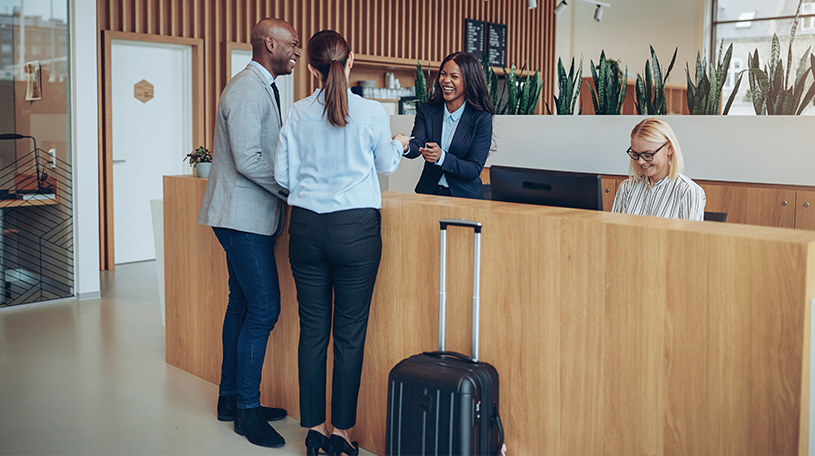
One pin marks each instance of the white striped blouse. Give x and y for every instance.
(679, 198)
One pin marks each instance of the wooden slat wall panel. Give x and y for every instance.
(407, 29)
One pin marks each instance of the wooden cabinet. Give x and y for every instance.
(805, 210)
(770, 206)
(609, 190)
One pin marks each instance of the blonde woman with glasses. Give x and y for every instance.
(656, 185)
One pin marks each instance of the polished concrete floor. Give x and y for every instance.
(89, 378)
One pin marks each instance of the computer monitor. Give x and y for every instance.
(546, 187)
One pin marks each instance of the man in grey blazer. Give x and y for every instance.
(244, 206)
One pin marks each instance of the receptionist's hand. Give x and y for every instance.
(431, 153)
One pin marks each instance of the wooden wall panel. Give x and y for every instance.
(425, 30)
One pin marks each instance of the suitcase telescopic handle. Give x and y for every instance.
(476, 226)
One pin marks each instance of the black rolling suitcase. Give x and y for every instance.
(445, 403)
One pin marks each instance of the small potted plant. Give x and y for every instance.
(201, 159)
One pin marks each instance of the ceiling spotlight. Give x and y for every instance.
(598, 13)
(561, 7)
(533, 4)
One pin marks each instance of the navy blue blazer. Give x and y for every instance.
(468, 150)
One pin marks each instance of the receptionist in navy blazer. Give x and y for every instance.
(453, 132)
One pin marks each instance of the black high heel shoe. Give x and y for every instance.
(316, 442)
(339, 446)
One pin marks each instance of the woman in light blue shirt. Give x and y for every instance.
(331, 148)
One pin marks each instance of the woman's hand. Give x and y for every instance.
(404, 140)
(431, 153)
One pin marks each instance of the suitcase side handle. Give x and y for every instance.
(476, 226)
(500, 426)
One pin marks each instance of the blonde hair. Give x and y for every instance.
(656, 130)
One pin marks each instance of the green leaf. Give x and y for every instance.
(719, 61)
(593, 99)
(792, 38)
(576, 85)
(602, 96)
(621, 98)
(724, 66)
(657, 81)
(494, 88)
(732, 95)
(700, 69)
(512, 87)
(801, 73)
(712, 107)
(759, 90)
(795, 96)
(596, 81)
(807, 99)
(640, 100)
(524, 100)
(537, 97)
(421, 87)
(702, 102)
(775, 53)
(691, 91)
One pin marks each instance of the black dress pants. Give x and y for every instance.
(339, 253)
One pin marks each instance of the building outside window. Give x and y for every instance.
(736, 65)
(749, 25)
(808, 23)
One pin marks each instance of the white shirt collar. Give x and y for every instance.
(269, 77)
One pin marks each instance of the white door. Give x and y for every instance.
(285, 84)
(150, 138)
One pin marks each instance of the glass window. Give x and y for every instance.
(36, 204)
(808, 23)
(746, 19)
(749, 25)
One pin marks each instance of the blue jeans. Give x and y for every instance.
(252, 311)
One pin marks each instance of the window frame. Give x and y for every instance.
(714, 22)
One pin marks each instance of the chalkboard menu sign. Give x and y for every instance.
(496, 44)
(474, 37)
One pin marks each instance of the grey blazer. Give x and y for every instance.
(241, 192)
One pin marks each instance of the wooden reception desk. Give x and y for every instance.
(612, 334)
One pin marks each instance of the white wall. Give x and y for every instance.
(720, 148)
(85, 148)
(626, 30)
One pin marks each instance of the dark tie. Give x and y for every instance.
(277, 99)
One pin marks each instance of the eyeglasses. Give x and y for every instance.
(647, 156)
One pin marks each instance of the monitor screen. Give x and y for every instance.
(546, 187)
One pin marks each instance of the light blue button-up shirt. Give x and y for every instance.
(329, 169)
(448, 130)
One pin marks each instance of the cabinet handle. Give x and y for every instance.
(783, 203)
(608, 191)
(806, 204)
